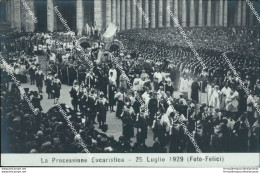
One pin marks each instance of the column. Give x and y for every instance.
(146, 24)
(122, 15)
(225, 12)
(153, 14)
(8, 11)
(128, 14)
(118, 13)
(168, 18)
(220, 12)
(79, 16)
(209, 13)
(114, 11)
(176, 11)
(108, 12)
(239, 13)
(140, 17)
(50, 16)
(251, 16)
(23, 16)
(30, 25)
(133, 14)
(160, 14)
(17, 15)
(192, 14)
(184, 13)
(244, 13)
(200, 13)
(98, 19)
(12, 13)
(217, 13)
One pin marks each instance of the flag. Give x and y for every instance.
(87, 29)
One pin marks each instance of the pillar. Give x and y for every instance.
(244, 13)
(184, 13)
(50, 16)
(8, 11)
(108, 12)
(140, 17)
(209, 13)
(17, 15)
(128, 14)
(160, 14)
(98, 19)
(167, 15)
(30, 25)
(239, 9)
(118, 14)
(176, 11)
(251, 17)
(12, 13)
(146, 24)
(114, 11)
(217, 13)
(79, 16)
(122, 15)
(192, 13)
(23, 15)
(133, 14)
(153, 14)
(200, 13)
(225, 12)
(220, 13)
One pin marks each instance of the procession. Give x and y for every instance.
(121, 93)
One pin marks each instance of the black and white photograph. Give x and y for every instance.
(166, 77)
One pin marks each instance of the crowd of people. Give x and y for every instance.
(163, 72)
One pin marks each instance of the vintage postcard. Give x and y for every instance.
(130, 83)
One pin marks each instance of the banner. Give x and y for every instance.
(110, 31)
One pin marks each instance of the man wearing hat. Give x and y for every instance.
(36, 101)
(48, 84)
(74, 95)
(101, 110)
(39, 77)
(56, 88)
(32, 70)
(120, 97)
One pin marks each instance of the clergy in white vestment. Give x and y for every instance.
(137, 83)
(114, 73)
(231, 101)
(215, 98)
